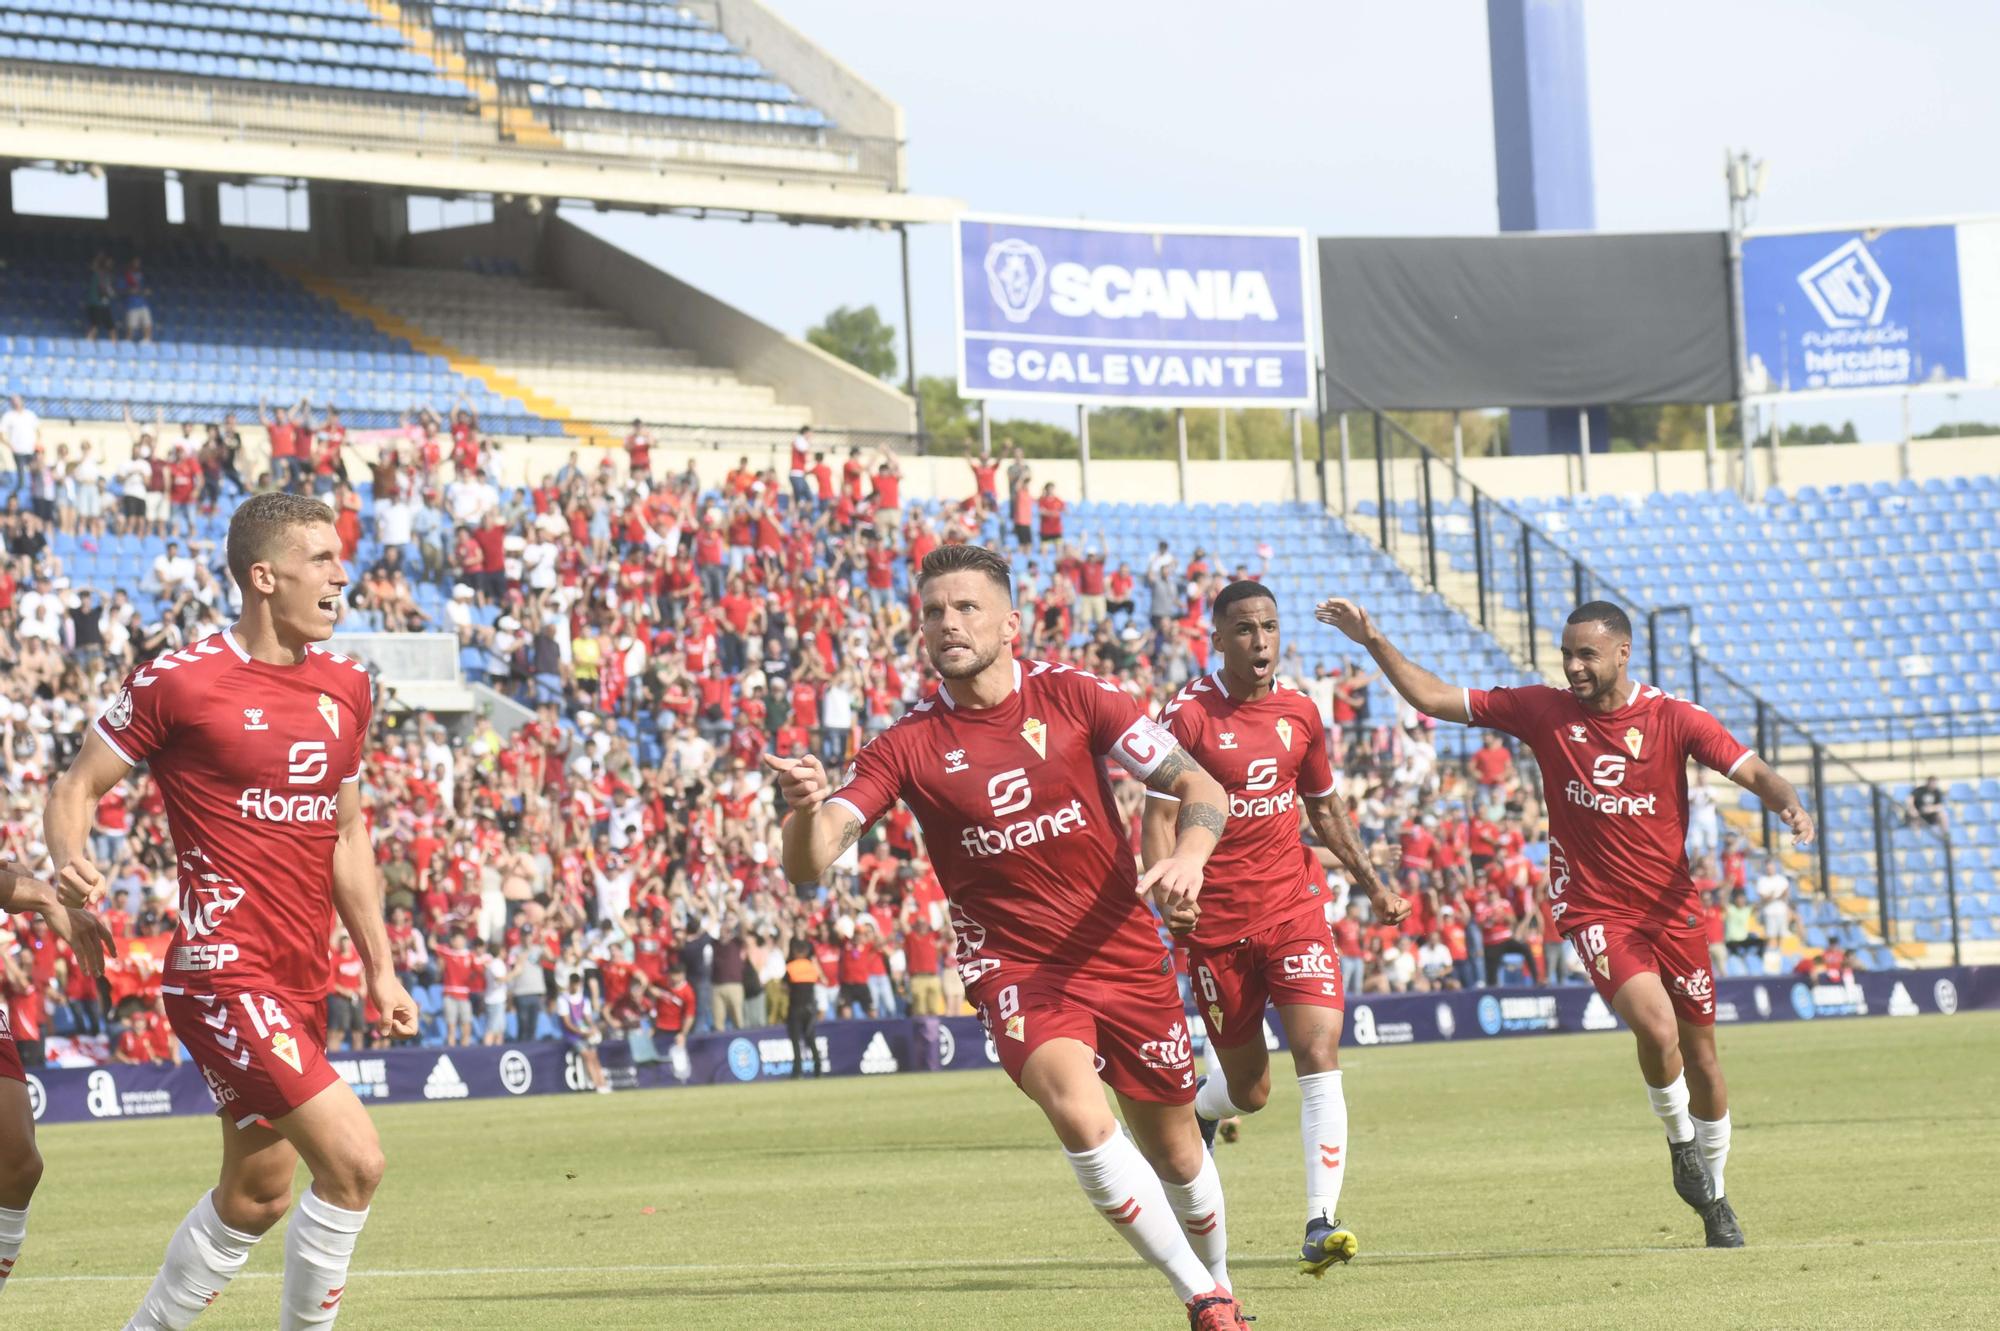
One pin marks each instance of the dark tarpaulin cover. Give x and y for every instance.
(1526, 321)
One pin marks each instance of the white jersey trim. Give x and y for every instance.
(850, 806)
(1322, 794)
(1466, 702)
(1741, 759)
(1152, 794)
(229, 640)
(945, 693)
(104, 733)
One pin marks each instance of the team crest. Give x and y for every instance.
(1285, 733)
(1017, 1028)
(1226, 740)
(330, 710)
(1215, 1015)
(1037, 736)
(119, 714)
(1633, 739)
(1604, 966)
(285, 1047)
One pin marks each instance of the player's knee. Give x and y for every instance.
(1252, 1096)
(19, 1177)
(254, 1206)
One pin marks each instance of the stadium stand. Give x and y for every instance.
(1885, 587)
(585, 363)
(228, 330)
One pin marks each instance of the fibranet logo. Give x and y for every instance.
(1010, 793)
(1628, 806)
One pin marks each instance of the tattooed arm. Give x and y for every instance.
(1335, 830)
(817, 832)
(1174, 881)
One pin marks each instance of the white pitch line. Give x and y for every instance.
(950, 1264)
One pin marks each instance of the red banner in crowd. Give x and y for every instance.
(135, 971)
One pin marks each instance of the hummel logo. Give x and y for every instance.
(253, 719)
(1578, 734)
(955, 761)
(1227, 739)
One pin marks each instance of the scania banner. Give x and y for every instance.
(1175, 316)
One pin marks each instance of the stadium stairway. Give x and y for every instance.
(520, 126)
(598, 370)
(460, 362)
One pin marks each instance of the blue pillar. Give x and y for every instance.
(1541, 155)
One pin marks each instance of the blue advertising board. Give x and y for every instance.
(1847, 310)
(949, 1044)
(1172, 316)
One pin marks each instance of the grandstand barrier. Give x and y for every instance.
(953, 1044)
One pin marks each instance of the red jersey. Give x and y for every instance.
(249, 759)
(1617, 796)
(673, 1007)
(460, 971)
(1267, 754)
(1017, 813)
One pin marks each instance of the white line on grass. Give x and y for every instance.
(973, 1264)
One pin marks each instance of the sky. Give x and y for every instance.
(1347, 117)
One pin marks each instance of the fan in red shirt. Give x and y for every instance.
(1613, 757)
(1050, 510)
(254, 737)
(1003, 766)
(1263, 935)
(20, 1163)
(460, 974)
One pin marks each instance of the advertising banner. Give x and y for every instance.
(953, 1044)
(1166, 316)
(1882, 308)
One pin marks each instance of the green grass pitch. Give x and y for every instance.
(1495, 1184)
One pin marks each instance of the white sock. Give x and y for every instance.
(1714, 1139)
(318, 1246)
(13, 1233)
(1126, 1191)
(203, 1256)
(1671, 1104)
(1198, 1204)
(1212, 1101)
(1323, 1131)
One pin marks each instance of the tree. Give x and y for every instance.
(858, 337)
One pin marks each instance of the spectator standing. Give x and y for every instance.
(493, 969)
(138, 306)
(728, 970)
(23, 429)
(796, 471)
(920, 963)
(100, 293)
(697, 964)
(459, 973)
(1774, 911)
(1925, 805)
(527, 987)
(1704, 818)
(803, 981)
(578, 1019)
(1050, 511)
(346, 1007)
(1739, 928)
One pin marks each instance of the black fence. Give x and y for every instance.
(1874, 860)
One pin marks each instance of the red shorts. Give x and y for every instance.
(1293, 961)
(10, 1060)
(1614, 951)
(263, 1055)
(1136, 1026)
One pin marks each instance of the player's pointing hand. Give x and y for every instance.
(803, 781)
(1800, 823)
(1344, 615)
(79, 885)
(1174, 885)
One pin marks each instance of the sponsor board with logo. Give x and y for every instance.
(1888, 307)
(1137, 314)
(871, 1048)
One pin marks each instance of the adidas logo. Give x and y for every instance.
(1597, 1014)
(444, 1083)
(1900, 1002)
(877, 1057)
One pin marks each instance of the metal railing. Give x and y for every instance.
(1522, 584)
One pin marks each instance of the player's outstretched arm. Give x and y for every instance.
(1418, 686)
(357, 898)
(816, 833)
(1335, 830)
(66, 819)
(1779, 795)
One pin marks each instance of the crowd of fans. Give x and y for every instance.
(610, 864)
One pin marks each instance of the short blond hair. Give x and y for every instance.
(261, 522)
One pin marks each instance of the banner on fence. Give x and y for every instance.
(1884, 308)
(956, 1044)
(1173, 316)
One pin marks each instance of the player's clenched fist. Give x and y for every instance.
(78, 884)
(1346, 616)
(398, 1010)
(1174, 885)
(1390, 907)
(802, 781)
